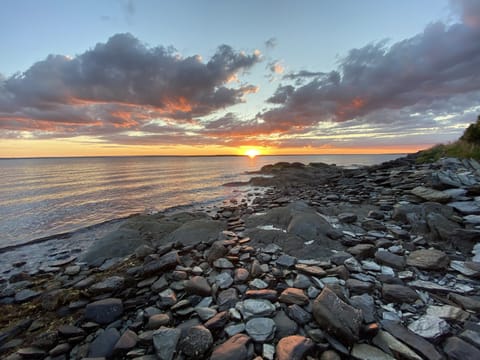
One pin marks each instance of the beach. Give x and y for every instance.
(316, 260)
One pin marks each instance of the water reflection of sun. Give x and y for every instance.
(251, 153)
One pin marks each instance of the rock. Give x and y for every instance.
(311, 270)
(72, 270)
(258, 284)
(347, 217)
(429, 327)
(59, 350)
(362, 251)
(217, 251)
(336, 317)
(234, 329)
(284, 325)
(416, 342)
(233, 349)
(196, 342)
(466, 207)
(166, 262)
(104, 343)
(298, 314)
(157, 320)
(52, 300)
(70, 331)
(205, 313)
(457, 349)
(398, 293)
(366, 304)
(218, 321)
(198, 285)
(466, 268)
(429, 194)
(223, 263)
(260, 329)
(387, 258)
(471, 336)
(448, 312)
(167, 298)
(256, 308)
(31, 353)
(359, 287)
(104, 311)
(26, 295)
(302, 282)
(293, 296)
(108, 285)
(241, 275)
(293, 347)
(368, 352)
(165, 342)
(127, 341)
(227, 299)
(466, 302)
(428, 259)
(286, 261)
(387, 343)
(330, 355)
(224, 280)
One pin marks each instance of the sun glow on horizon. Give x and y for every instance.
(252, 153)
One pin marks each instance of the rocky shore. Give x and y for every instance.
(380, 262)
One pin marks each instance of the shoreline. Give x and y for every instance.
(390, 244)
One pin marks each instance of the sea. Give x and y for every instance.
(42, 197)
(52, 206)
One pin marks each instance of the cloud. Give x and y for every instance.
(423, 72)
(121, 84)
(276, 67)
(271, 43)
(468, 10)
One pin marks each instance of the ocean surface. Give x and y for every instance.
(48, 196)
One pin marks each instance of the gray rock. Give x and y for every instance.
(255, 308)
(298, 314)
(217, 251)
(466, 207)
(223, 263)
(205, 313)
(241, 275)
(466, 302)
(235, 329)
(416, 342)
(302, 282)
(336, 317)
(286, 261)
(165, 342)
(387, 258)
(196, 341)
(465, 268)
(196, 231)
(347, 217)
(398, 293)
(359, 287)
(104, 344)
(227, 299)
(166, 262)
(224, 280)
(127, 341)
(471, 336)
(429, 327)
(428, 259)
(293, 296)
(429, 194)
(260, 329)
(157, 320)
(110, 284)
(366, 304)
(293, 347)
(362, 251)
(258, 284)
(198, 285)
(26, 295)
(457, 349)
(388, 343)
(284, 325)
(104, 311)
(233, 349)
(368, 352)
(448, 312)
(167, 298)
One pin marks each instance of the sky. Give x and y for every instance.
(197, 77)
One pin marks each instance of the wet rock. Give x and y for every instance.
(429, 327)
(428, 259)
(337, 317)
(104, 311)
(293, 347)
(198, 285)
(398, 293)
(260, 329)
(416, 342)
(293, 296)
(104, 343)
(457, 349)
(165, 342)
(196, 342)
(233, 349)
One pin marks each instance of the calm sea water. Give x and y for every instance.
(43, 197)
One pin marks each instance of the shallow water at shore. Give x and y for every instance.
(44, 197)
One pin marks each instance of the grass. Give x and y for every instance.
(460, 149)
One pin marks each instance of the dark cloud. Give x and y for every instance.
(468, 10)
(123, 77)
(421, 72)
(271, 43)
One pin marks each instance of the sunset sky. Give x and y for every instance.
(197, 77)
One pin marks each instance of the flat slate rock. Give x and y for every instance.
(198, 285)
(457, 349)
(368, 352)
(260, 329)
(167, 261)
(416, 342)
(337, 317)
(428, 259)
(429, 194)
(387, 258)
(165, 342)
(104, 343)
(26, 295)
(293, 296)
(104, 311)
(429, 327)
(398, 293)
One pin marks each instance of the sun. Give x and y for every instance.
(251, 153)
